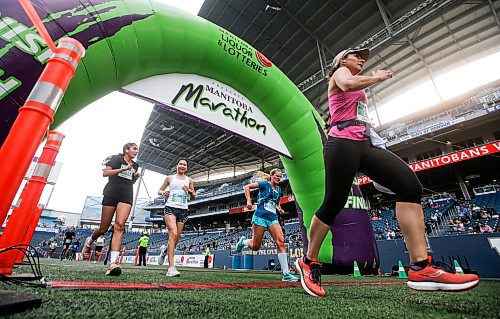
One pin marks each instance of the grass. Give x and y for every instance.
(390, 301)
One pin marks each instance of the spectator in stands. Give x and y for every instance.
(122, 172)
(497, 228)
(143, 248)
(266, 217)
(485, 214)
(476, 213)
(434, 217)
(475, 229)
(485, 228)
(451, 224)
(99, 244)
(68, 239)
(353, 146)
(176, 210)
(390, 234)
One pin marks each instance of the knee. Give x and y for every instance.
(174, 236)
(410, 192)
(327, 214)
(255, 245)
(280, 242)
(119, 227)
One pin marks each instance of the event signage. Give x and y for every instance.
(447, 159)
(179, 260)
(293, 251)
(213, 102)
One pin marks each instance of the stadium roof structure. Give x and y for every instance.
(415, 39)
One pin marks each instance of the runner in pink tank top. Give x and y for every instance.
(347, 152)
(343, 107)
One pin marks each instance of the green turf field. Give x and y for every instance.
(378, 301)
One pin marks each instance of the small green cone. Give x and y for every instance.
(458, 269)
(401, 271)
(356, 270)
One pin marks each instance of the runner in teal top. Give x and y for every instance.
(266, 217)
(267, 203)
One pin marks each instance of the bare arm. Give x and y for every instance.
(247, 189)
(165, 184)
(136, 176)
(345, 81)
(280, 210)
(191, 191)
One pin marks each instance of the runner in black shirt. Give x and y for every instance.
(68, 239)
(118, 196)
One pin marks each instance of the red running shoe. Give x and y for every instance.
(310, 277)
(439, 276)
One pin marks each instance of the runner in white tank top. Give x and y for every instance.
(178, 197)
(176, 210)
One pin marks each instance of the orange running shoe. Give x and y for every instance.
(439, 276)
(310, 277)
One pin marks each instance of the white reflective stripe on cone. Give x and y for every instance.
(46, 93)
(66, 57)
(71, 46)
(42, 170)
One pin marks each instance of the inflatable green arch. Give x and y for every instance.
(131, 40)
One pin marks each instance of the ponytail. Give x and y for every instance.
(330, 74)
(125, 147)
(262, 176)
(106, 161)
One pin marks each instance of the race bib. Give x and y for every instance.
(127, 174)
(362, 112)
(178, 198)
(270, 206)
(68, 240)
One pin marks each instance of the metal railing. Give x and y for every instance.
(383, 37)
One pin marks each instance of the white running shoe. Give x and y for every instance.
(173, 272)
(161, 258)
(114, 269)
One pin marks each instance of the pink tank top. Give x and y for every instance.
(343, 107)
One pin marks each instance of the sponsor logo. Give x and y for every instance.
(243, 52)
(263, 60)
(435, 275)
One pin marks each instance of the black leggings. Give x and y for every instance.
(343, 158)
(142, 255)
